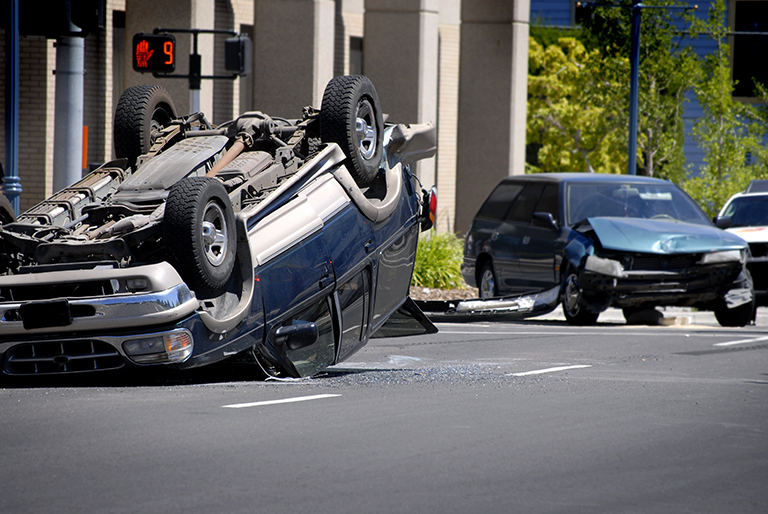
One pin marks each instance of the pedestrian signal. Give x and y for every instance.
(154, 53)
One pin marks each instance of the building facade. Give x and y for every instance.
(461, 65)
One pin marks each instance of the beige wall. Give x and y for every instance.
(457, 64)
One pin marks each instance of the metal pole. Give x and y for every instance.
(11, 184)
(68, 125)
(634, 62)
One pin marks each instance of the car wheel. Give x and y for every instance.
(574, 309)
(487, 281)
(141, 113)
(199, 231)
(350, 116)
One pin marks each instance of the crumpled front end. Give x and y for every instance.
(643, 280)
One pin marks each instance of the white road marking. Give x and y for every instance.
(275, 402)
(548, 370)
(742, 341)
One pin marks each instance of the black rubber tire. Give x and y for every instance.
(572, 299)
(347, 98)
(141, 112)
(486, 283)
(7, 212)
(205, 264)
(742, 315)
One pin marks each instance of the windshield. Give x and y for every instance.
(650, 201)
(748, 211)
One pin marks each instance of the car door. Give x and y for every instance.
(537, 255)
(512, 241)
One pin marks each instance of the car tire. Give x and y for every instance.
(740, 316)
(141, 112)
(199, 231)
(487, 283)
(574, 309)
(346, 100)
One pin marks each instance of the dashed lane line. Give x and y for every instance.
(742, 341)
(275, 402)
(549, 370)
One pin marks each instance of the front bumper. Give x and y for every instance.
(52, 322)
(605, 282)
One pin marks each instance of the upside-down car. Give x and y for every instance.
(289, 242)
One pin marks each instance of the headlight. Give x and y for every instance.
(166, 347)
(726, 256)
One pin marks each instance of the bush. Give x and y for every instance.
(438, 261)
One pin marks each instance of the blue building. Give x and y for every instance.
(749, 51)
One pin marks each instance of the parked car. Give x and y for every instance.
(592, 241)
(746, 215)
(284, 242)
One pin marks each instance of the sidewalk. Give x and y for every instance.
(673, 316)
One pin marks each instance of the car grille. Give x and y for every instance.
(61, 357)
(758, 249)
(659, 262)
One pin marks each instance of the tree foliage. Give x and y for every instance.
(730, 132)
(665, 74)
(570, 118)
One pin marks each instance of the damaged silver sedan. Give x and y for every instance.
(593, 241)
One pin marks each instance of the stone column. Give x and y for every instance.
(400, 52)
(492, 103)
(447, 114)
(293, 54)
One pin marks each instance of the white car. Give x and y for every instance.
(748, 215)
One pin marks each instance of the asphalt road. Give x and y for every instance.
(484, 416)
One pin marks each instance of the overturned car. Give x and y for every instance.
(284, 242)
(592, 241)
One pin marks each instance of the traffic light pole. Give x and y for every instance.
(11, 184)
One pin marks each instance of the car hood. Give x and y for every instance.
(662, 237)
(751, 234)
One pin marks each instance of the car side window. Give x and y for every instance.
(522, 210)
(498, 202)
(549, 201)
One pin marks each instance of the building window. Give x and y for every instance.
(749, 50)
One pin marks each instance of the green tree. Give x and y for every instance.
(570, 121)
(666, 72)
(730, 132)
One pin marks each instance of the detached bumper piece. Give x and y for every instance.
(61, 357)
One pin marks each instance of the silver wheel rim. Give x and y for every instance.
(572, 296)
(365, 128)
(487, 285)
(214, 234)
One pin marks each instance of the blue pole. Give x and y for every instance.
(11, 186)
(634, 62)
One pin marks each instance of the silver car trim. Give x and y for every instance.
(126, 310)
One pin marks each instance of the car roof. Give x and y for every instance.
(584, 177)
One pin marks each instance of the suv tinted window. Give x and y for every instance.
(549, 201)
(495, 207)
(522, 210)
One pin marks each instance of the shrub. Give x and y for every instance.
(438, 261)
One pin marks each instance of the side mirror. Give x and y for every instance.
(298, 335)
(544, 219)
(722, 222)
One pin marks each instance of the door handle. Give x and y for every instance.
(325, 281)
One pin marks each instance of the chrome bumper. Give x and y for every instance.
(164, 298)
